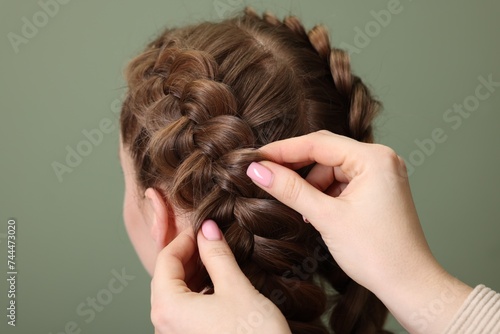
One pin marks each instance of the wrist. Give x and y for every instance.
(425, 300)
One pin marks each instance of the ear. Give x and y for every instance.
(163, 229)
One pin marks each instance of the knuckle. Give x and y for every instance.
(389, 161)
(402, 164)
(219, 251)
(292, 189)
(160, 315)
(386, 155)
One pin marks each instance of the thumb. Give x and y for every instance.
(292, 190)
(219, 260)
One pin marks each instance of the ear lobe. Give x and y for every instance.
(160, 217)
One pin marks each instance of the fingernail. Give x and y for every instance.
(305, 220)
(211, 231)
(260, 174)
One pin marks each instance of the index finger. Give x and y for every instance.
(323, 147)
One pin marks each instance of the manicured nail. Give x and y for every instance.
(211, 231)
(260, 174)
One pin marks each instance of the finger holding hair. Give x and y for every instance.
(292, 190)
(219, 261)
(169, 275)
(323, 147)
(175, 308)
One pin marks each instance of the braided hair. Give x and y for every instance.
(201, 100)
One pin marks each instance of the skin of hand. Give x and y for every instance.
(234, 307)
(358, 197)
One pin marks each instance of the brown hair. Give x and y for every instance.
(202, 99)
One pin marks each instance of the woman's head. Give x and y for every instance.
(202, 99)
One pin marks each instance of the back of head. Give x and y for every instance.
(201, 100)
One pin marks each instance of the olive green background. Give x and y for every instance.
(68, 78)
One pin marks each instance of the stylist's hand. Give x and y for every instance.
(358, 197)
(235, 307)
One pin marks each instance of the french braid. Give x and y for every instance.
(201, 99)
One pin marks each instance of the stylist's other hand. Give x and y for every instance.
(234, 307)
(358, 197)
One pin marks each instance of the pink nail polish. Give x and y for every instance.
(210, 230)
(260, 174)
